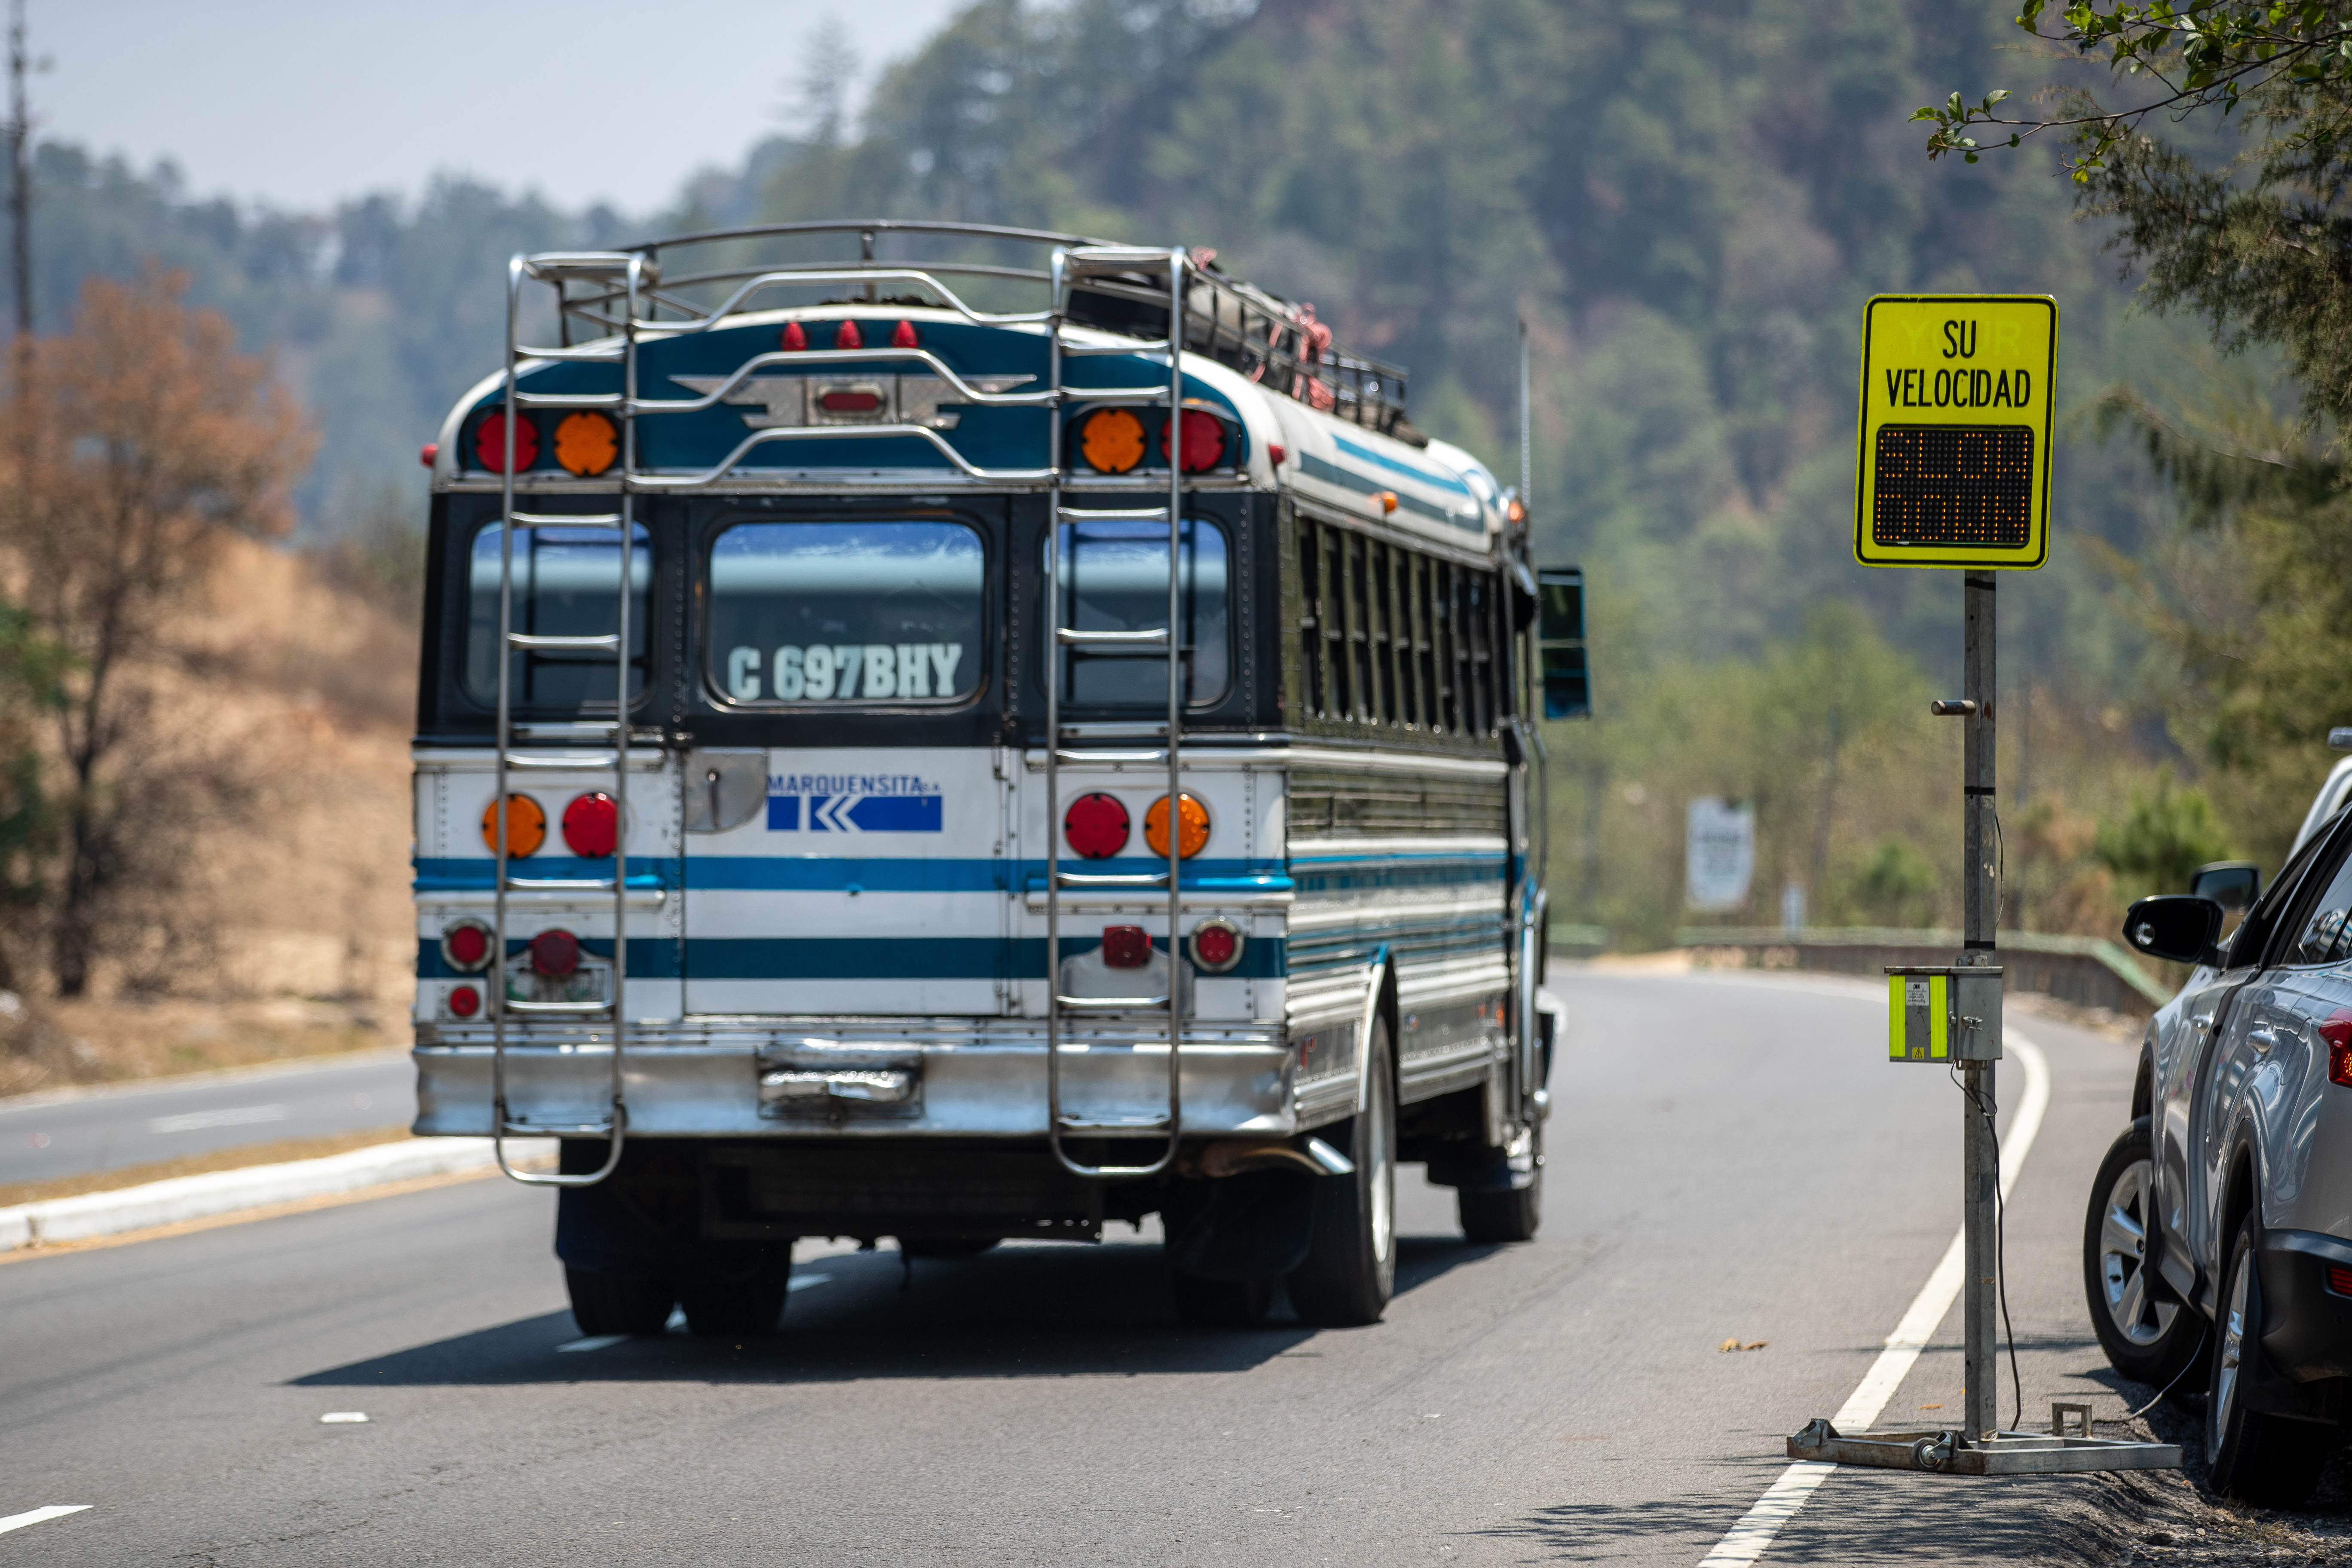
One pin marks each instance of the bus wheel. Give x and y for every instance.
(1220, 1303)
(1508, 1214)
(721, 1308)
(605, 1303)
(1351, 1268)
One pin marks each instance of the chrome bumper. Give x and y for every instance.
(832, 1078)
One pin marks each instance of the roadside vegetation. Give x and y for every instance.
(1688, 218)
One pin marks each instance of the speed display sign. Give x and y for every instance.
(1957, 395)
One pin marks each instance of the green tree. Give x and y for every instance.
(1895, 884)
(2165, 835)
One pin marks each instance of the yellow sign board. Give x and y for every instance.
(1954, 468)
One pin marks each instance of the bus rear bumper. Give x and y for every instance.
(840, 1077)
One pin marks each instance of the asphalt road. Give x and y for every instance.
(75, 1131)
(1732, 1157)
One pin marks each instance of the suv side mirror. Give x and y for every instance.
(2232, 884)
(1560, 643)
(2177, 926)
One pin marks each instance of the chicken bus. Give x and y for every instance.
(961, 734)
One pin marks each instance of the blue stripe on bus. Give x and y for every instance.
(1443, 481)
(852, 958)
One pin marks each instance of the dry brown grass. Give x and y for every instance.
(236, 1159)
(290, 931)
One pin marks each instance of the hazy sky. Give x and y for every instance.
(299, 102)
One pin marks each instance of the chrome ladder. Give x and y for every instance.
(627, 274)
(1070, 266)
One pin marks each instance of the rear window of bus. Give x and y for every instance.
(867, 612)
(1115, 579)
(565, 584)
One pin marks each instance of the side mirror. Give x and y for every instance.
(2232, 884)
(1560, 643)
(2176, 926)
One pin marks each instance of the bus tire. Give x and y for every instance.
(728, 1308)
(1498, 1215)
(1220, 1303)
(1351, 1268)
(605, 1303)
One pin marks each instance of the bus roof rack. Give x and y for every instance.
(1277, 342)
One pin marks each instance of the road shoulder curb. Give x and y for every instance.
(183, 1198)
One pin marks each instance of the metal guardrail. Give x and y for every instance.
(2088, 971)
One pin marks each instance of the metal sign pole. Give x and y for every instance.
(1979, 1157)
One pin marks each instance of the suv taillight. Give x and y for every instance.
(2337, 1033)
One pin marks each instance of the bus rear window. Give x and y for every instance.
(846, 612)
(1115, 579)
(565, 584)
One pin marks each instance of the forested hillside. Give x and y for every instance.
(1688, 203)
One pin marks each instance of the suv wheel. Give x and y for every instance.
(2148, 1336)
(2256, 1456)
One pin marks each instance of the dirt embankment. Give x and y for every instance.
(287, 929)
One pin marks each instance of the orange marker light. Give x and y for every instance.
(1387, 499)
(1111, 440)
(1195, 831)
(587, 442)
(526, 826)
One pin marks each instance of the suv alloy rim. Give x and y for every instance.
(2233, 1345)
(2141, 1316)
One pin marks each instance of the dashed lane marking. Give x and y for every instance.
(592, 1343)
(35, 1516)
(1746, 1539)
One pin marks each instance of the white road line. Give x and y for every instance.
(55, 1511)
(1746, 1539)
(804, 1281)
(592, 1343)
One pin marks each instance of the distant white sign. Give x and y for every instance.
(1721, 858)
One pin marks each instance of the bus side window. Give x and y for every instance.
(1335, 623)
(1310, 619)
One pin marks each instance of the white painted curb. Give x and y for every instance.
(225, 1192)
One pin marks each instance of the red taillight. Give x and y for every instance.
(490, 443)
(466, 945)
(849, 402)
(1097, 825)
(1277, 452)
(2337, 1033)
(555, 954)
(794, 338)
(1126, 947)
(2339, 1279)
(1216, 945)
(430, 450)
(464, 1002)
(849, 337)
(903, 336)
(1203, 440)
(591, 826)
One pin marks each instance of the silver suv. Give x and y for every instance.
(2217, 1248)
